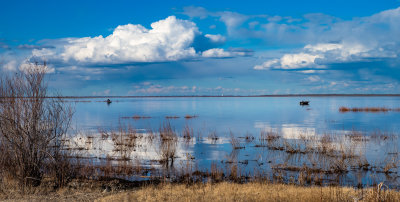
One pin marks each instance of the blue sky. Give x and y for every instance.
(206, 47)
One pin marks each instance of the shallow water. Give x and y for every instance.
(230, 117)
(242, 114)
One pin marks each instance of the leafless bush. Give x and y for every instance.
(168, 144)
(32, 127)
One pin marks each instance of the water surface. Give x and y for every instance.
(239, 117)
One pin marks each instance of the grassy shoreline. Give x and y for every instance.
(254, 191)
(105, 191)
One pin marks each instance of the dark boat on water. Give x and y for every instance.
(304, 102)
(108, 101)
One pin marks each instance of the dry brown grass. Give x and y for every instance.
(251, 192)
(77, 190)
(256, 191)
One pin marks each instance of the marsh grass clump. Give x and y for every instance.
(167, 132)
(357, 136)
(389, 164)
(293, 147)
(124, 140)
(235, 142)
(325, 144)
(248, 137)
(267, 138)
(188, 132)
(382, 136)
(212, 135)
(217, 174)
(150, 136)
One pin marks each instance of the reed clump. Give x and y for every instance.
(248, 137)
(213, 136)
(188, 132)
(235, 142)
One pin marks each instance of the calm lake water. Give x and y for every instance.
(238, 117)
(242, 114)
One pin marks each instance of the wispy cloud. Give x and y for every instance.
(360, 39)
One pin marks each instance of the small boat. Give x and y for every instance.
(108, 101)
(304, 102)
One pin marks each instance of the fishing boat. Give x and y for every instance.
(304, 102)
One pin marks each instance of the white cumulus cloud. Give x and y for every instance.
(169, 39)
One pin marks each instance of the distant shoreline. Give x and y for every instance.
(233, 96)
(230, 96)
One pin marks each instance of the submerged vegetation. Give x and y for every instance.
(368, 109)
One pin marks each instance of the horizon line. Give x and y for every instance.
(267, 95)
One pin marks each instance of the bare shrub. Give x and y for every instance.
(32, 127)
(168, 144)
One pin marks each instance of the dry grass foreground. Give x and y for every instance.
(250, 192)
